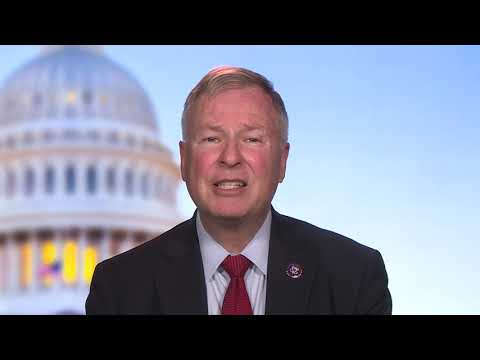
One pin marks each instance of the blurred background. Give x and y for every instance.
(384, 150)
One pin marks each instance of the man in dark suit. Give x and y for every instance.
(237, 255)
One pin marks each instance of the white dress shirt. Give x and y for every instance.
(217, 279)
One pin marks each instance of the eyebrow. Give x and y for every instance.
(214, 127)
(246, 126)
(253, 127)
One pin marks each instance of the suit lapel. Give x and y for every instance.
(180, 281)
(286, 294)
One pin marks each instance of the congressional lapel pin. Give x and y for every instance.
(294, 271)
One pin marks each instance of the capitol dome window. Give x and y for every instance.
(131, 141)
(87, 98)
(28, 139)
(145, 185)
(70, 179)
(29, 182)
(129, 182)
(71, 135)
(52, 112)
(111, 180)
(158, 187)
(48, 136)
(167, 189)
(10, 187)
(3, 261)
(11, 143)
(37, 100)
(52, 105)
(91, 180)
(10, 104)
(93, 135)
(146, 145)
(49, 180)
(113, 138)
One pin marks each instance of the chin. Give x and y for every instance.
(229, 212)
(233, 214)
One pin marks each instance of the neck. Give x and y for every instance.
(233, 234)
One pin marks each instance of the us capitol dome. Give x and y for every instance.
(83, 176)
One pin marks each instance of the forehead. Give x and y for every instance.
(249, 104)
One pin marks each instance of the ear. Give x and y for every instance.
(183, 160)
(283, 160)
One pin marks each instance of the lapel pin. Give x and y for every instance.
(294, 271)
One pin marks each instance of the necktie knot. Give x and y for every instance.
(236, 266)
(236, 301)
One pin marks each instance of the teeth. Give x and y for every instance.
(230, 184)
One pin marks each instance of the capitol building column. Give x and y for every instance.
(13, 268)
(3, 265)
(90, 242)
(82, 245)
(69, 257)
(34, 240)
(58, 243)
(127, 242)
(105, 245)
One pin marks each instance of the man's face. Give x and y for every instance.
(233, 157)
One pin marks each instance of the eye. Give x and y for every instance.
(253, 140)
(211, 139)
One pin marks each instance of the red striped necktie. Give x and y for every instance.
(236, 301)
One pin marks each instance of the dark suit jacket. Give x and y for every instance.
(165, 275)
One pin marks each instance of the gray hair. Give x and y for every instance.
(230, 77)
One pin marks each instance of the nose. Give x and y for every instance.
(230, 155)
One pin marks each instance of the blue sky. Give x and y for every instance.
(384, 149)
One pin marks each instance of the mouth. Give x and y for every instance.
(230, 184)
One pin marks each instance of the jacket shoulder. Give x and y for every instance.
(117, 280)
(332, 247)
(350, 274)
(161, 248)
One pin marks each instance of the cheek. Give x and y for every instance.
(265, 165)
(201, 164)
(260, 162)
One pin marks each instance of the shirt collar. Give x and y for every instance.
(213, 253)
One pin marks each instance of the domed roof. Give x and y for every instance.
(75, 82)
